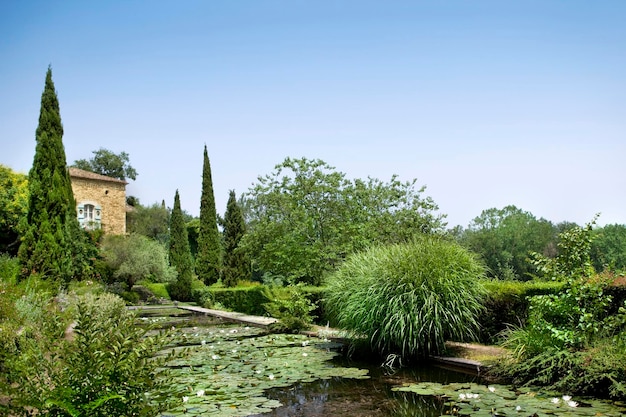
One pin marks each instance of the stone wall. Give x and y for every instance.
(109, 194)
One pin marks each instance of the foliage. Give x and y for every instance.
(290, 306)
(52, 243)
(106, 162)
(134, 258)
(569, 339)
(230, 369)
(574, 257)
(505, 238)
(236, 263)
(159, 289)
(506, 305)
(106, 368)
(9, 268)
(152, 221)
(247, 300)
(13, 207)
(305, 218)
(408, 298)
(180, 255)
(208, 259)
(608, 249)
(473, 399)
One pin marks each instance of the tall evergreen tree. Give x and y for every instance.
(52, 243)
(236, 265)
(180, 255)
(209, 247)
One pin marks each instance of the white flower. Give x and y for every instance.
(271, 376)
(200, 393)
(258, 371)
(203, 342)
(566, 398)
(215, 357)
(305, 343)
(195, 328)
(518, 408)
(305, 354)
(572, 403)
(492, 389)
(234, 350)
(233, 331)
(555, 400)
(461, 397)
(185, 399)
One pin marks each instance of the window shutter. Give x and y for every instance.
(80, 209)
(97, 216)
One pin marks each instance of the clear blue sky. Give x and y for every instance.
(487, 103)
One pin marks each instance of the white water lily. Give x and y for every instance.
(566, 398)
(305, 343)
(200, 393)
(462, 396)
(518, 408)
(185, 399)
(271, 376)
(215, 357)
(572, 403)
(492, 389)
(203, 342)
(555, 400)
(305, 354)
(258, 371)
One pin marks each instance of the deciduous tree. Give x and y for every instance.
(106, 162)
(306, 217)
(13, 207)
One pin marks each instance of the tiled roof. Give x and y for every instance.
(81, 173)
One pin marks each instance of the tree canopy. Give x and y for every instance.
(236, 263)
(13, 206)
(306, 217)
(506, 237)
(106, 162)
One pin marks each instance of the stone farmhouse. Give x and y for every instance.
(100, 201)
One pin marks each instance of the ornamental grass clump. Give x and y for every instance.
(410, 298)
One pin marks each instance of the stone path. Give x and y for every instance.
(256, 321)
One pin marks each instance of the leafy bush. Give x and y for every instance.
(108, 367)
(290, 306)
(408, 298)
(134, 258)
(506, 305)
(9, 268)
(158, 289)
(574, 340)
(247, 300)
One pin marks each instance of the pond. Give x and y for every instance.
(236, 370)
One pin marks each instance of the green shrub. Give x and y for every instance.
(574, 340)
(247, 300)
(158, 289)
(107, 368)
(9, 268)
(408, 298)
(135, 258)
(290, 306)
(506, 305)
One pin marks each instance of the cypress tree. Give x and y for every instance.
(209, 247)
(52, 244)
(180, 255)
(236, 265)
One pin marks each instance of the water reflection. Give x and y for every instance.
(365, 398)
